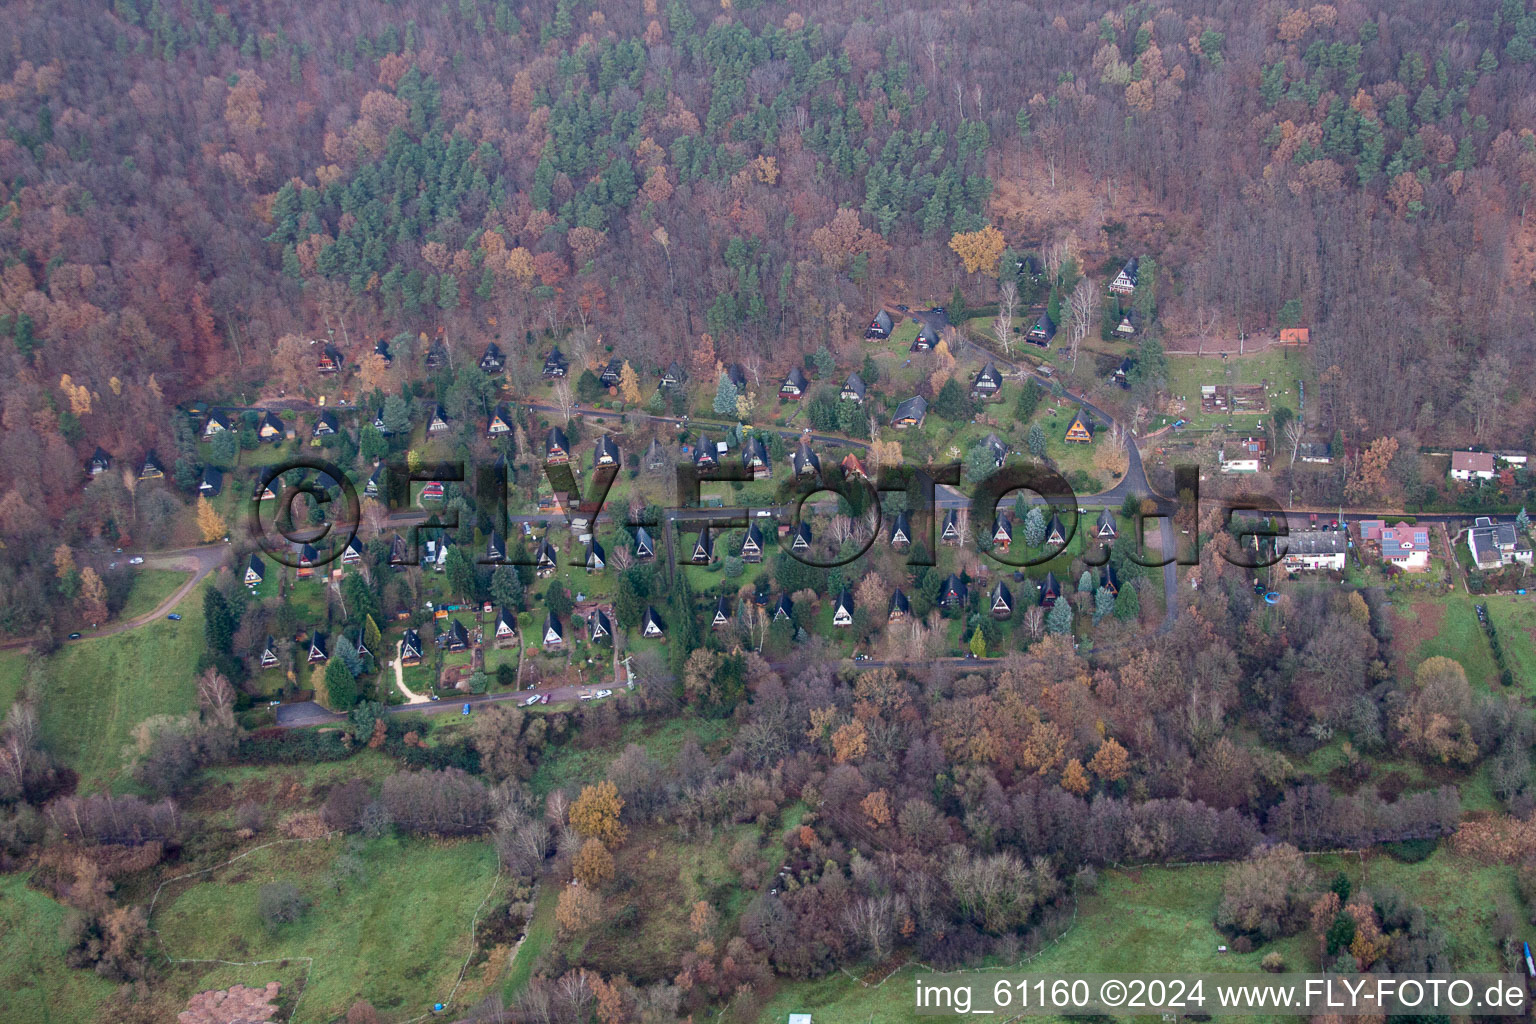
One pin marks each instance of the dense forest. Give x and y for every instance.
(191, 192)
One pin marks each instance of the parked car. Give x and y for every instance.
(74, 636)
(174, 617)
(136, 560)
(465, 711)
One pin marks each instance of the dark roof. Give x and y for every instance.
(915, 408)
(805, 456)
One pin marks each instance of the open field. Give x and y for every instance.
(150, 587)
(393, 935)
(35, 983)
(1151, 920)
(97, 690)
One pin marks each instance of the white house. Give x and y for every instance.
(1472, 466)
(1315, 549)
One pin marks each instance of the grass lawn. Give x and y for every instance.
(97, 690)
(1452, 631)
(35, 984)
(397, 938)
(574, 766)
(150, 587)
(1148, 921)
(1515, 619)
(1282, 368)
(540, 936)
(1461, 896)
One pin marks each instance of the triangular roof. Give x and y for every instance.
(805, 459)
(1001, 597)
(914, 408)
(601, 627)
(554, 441)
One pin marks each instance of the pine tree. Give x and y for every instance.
(209, 522)
(725, 396)
(1060, 618)
(1103, 603)
(1036, 441)
(506, 587)
(340, 686)
(1034, 527)
(1127, 604)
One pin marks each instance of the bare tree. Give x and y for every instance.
(1007, 306)
(1294, 432)
(563, 397)
(1084, 303)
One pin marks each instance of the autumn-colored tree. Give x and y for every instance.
(209, 523)
(1110, 761)
(63, 561)
(703, 919)
(578, 909)
(1370, 475)
(978, 250)
(93, 596)
(1073, 779)
(877, 808)
(850, 742)
(595, 814)
(593, 865)
(629, 384)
